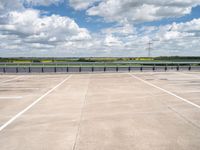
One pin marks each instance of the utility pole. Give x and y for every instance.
(149, 48)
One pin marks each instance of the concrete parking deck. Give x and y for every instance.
(113, 111)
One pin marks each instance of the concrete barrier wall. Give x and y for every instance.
(95, 69)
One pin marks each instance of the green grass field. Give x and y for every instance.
(93, 61)
(99, 59)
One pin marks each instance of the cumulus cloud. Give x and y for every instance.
(18, 5)
(27, 32)
(123, 30)
(42, 2)
(10, 5)
(54, 35)
(27, 29)
(141, 11)
(81, 4)
(110, 40)
(172, 39)
(29, 23)
(178, 30)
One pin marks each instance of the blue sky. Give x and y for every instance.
(99, 27)
(96, 25)
(92, 23)
(195, 14)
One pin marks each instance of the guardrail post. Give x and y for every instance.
(17, 68)
(4, 69)
(178, 68)
(42, 69)
(79, 69)
(154, 68)
(93, 65)
(104, 69)
(55, 69)
(67, 69)
(117, 69)
(190, 67)
(165, 67)
(141, 68)
(129, 69)
(29, 69)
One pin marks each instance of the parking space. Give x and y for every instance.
(101, 111)
(17, 92)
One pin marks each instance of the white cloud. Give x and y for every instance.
(7, 6)
(124, 30)
(179, 30)
(10, 5)
(193, 25)
(174, 39)
(140, 11)
(61, 36)
(33, 31)
(42, 2)
(110, 40)
(24, 31)
(81, 4)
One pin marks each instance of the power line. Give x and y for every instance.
(149, 48)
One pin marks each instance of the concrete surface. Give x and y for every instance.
(118, 111)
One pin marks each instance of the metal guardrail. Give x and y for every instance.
(77, 67)
(97, 63)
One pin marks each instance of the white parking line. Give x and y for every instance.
(18, 88)
(32, 104)
(13, 97)
(166, 91)
(11, 79)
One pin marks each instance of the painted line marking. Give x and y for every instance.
(166, 91)
(11, 79)
(19, 88)
(24, 88)
(32, 104)
(13, 97)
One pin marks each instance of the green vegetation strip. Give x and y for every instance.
(99, 59)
